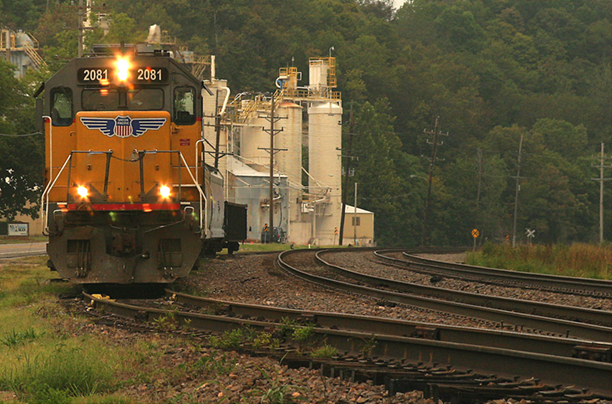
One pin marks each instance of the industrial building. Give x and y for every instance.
(248, 129)
(20, 49)
(252, 138)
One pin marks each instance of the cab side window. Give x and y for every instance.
(61, 106)
(184, 106)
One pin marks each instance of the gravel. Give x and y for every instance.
(256, 279)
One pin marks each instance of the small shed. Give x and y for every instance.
(358, 227)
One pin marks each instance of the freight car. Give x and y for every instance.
(128, 198)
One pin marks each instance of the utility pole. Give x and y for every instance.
(432, 165)
(349, 159)
(601, 180)
(83, 14)
(518, 186)
(478, 219)
(355, 219)
(81, 29)
(273, 132)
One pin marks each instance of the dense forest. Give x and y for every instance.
(498, 75)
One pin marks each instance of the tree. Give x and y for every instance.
(21, 157)
(382, 173)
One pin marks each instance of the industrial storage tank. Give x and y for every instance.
(325, 166)
(255, 140)
(289, 159)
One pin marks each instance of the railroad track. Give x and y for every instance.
(377, 349)
(446, 362)
(556, 283)
(521, 314)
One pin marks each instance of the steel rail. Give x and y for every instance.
(594, 376)
(575, 314)
(504, 317)
(567, 347)
(490, 275)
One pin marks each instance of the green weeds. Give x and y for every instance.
(167, 322)
(214, 364)
(231, 339)
(278, 392)
(55, 378)
(14, 338)
(325, 351)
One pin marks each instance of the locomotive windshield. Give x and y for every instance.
(138, 99)
(61, 106)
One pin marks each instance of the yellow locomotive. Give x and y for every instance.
(128, 198)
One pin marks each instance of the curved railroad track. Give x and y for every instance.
(582, 323)
(414, 355)
(555, 283)
(402, 362)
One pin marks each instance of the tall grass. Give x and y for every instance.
(580, 260)
(64, 373)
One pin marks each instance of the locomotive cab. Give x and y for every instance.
(127, 197)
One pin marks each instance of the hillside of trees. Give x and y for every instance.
(493, 71)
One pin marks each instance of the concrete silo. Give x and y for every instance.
(325, 167)
(254, 140)
(289, 159)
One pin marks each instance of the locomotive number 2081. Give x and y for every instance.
(94, 74)
(150, 74)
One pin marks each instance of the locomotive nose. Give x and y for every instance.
(120, 163)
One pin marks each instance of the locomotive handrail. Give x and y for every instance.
(48, 188)
(50, 147)
(202, 196)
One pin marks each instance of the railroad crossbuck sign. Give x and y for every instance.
(530, 234)
(475, 233)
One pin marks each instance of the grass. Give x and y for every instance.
(14, 338)
(65, 372)
(257, 247)
(579, 260)
(50, 355)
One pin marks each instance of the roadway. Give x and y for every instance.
(22, 249)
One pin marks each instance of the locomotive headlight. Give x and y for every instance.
(123, 68)
(82, 191)
(164, 191)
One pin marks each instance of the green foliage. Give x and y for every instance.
(265, 340)
(277, 393)
(212, 363)
(368, 346)
(55, 378)
(491, 70)
(14, 338)
(231, 339)
(302, 334)
(325, 351)
(21, 157)
(166, 322)
(581, 260)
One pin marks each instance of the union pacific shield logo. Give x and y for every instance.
(123, 126)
